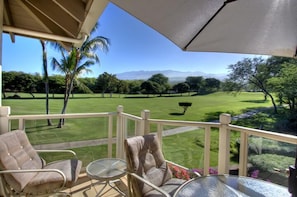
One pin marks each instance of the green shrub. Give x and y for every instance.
(270, 162)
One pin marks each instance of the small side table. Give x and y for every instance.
(107, 170)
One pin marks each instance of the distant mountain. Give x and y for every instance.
(174, 76)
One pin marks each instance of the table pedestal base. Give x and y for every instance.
(110, 184)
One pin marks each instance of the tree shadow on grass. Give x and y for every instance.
(137, 97)
(255, 101)
(215, 116)
(176, 114)
(40, 128)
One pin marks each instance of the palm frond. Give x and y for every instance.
(83, 87)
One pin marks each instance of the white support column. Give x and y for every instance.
(160, 134)
(120, 140)
(207, 143)
(145, 114)
(224, 144)
(4, 122)
(1, 43)
(4, 111)
(243, 154)
(110, 127)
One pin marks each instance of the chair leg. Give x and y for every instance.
(4, 188)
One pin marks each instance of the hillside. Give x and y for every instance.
(174, 76)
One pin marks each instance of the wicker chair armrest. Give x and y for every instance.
(57, 151)
(36, 170)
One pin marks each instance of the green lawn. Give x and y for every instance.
(204, 108)
(183, 148)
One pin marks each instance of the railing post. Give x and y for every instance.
(207, 141)
(4, 122)
(120, 135)
(160, 134)
(224, 144)
(145, 115)
(110, 128)
(243, 154)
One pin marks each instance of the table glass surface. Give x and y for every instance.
(106, 169)
(229, 185)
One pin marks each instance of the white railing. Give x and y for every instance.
(246, 132)
(142, 126)
(203, 125)
(6, 119)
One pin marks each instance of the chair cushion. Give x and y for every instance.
(170, 187)
(47, 181)
(17, 153)
(145, 158)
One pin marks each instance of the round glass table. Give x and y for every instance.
(229, 185)
(107, 171)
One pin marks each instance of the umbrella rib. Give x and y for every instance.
(204, 26)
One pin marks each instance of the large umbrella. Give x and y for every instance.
(266, 27)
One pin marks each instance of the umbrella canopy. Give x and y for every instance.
(65, 21)
(266, 27)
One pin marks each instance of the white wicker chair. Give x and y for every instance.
(23, 172)
(148, 173)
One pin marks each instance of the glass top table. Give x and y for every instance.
(107, 170)
(229, 185)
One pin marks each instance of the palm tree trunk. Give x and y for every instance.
(46, 84)
(68, 90)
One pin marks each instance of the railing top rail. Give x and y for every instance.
(133, 117)
(250, 131)
(185, 123)
(267, 134)
(55, 116)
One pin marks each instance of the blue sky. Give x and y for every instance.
(134, 46)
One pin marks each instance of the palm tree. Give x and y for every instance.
(76, 62)
(45, 79)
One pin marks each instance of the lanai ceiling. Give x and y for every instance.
(65, 21)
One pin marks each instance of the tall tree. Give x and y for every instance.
(7, 82)
(134, 86)
(254, 72)
(284, 84)
(181, 88)
(195, 83)
(122, 87)
(78, 61)
(45, 79)
(150, 87)
(57, 84)
(212, 84)
(106, 83)
(162, 80)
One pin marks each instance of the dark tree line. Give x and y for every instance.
(106, 83)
